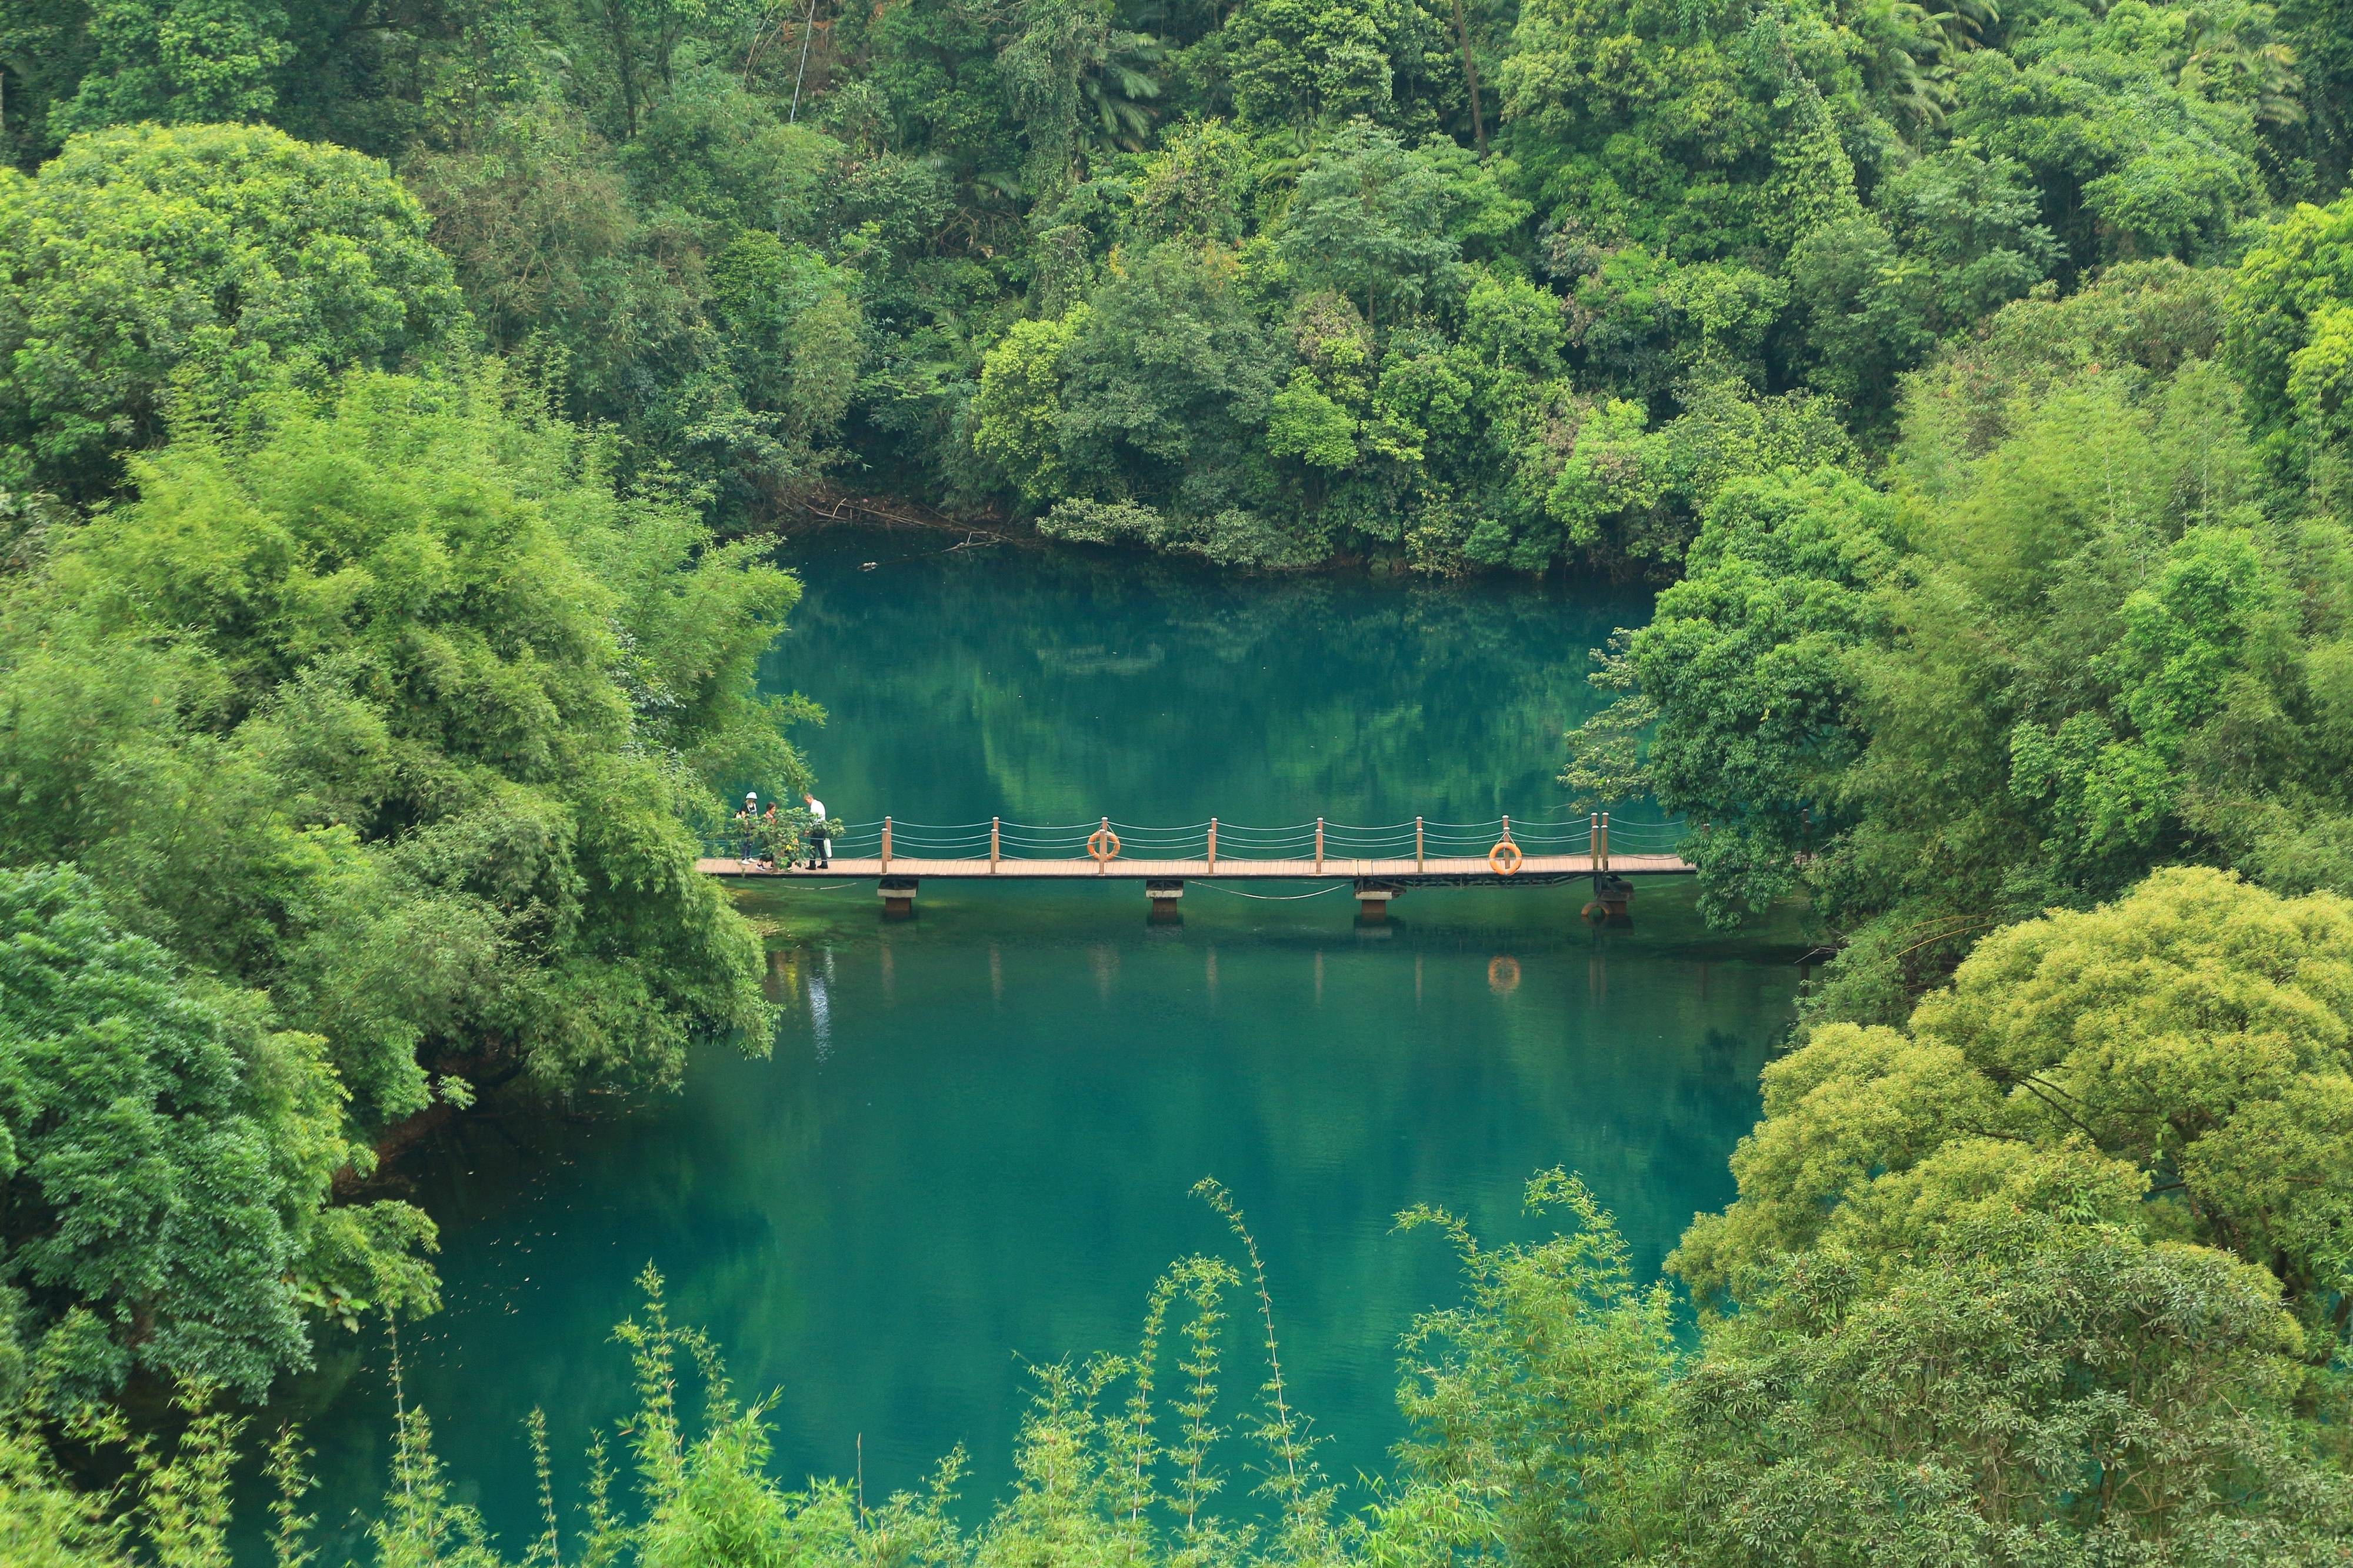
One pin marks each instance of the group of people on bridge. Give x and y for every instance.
(765, 832)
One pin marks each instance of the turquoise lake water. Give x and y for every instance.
(971, 1145)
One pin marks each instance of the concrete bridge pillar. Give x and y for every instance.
(898, 894)
(1166, 898)
(1372, 899)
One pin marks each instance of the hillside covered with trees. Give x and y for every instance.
(1457, 286)
(392, 399)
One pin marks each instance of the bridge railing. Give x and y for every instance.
(1319, 839)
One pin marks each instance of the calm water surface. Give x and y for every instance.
(972, 1143)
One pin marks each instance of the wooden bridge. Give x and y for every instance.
(1381, 862)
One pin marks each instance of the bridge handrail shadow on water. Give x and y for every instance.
(1381, 860)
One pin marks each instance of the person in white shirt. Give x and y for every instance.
(820, 845)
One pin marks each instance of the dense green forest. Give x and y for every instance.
(1452, 286)
(392, 399)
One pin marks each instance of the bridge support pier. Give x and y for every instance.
(898, 894)
(1373, 900)
(1612, 894)
(1166, 898)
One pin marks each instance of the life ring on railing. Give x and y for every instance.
(1504, 859)
(1104, 844)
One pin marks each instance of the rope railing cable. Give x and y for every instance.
(1275, 897)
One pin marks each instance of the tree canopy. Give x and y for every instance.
(770, 248)
(2090, 624)
(383, 701)
(225, 259)
(164, 1152)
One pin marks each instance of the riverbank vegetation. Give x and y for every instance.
(357, 731)
(385, 395)
(2093, 623)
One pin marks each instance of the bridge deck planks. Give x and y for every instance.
(1396, 868)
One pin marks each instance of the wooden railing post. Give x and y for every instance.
(1417, 844)
(1213, 843)
(886, 843)
(1593, 838)
(1507, 830)
(1605, 841)
(1102, 866)
(1319, 846)
(994, 823)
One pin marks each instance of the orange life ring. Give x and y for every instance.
(1504, 859)
(1104, 844)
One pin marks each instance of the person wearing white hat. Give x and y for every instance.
(750, 816)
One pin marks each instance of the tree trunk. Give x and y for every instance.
(1471, 79)
(392, 1143)
(624, 56)
(491, 1068)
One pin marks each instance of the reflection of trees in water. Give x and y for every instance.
(1338, 690)
(968, 1178)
